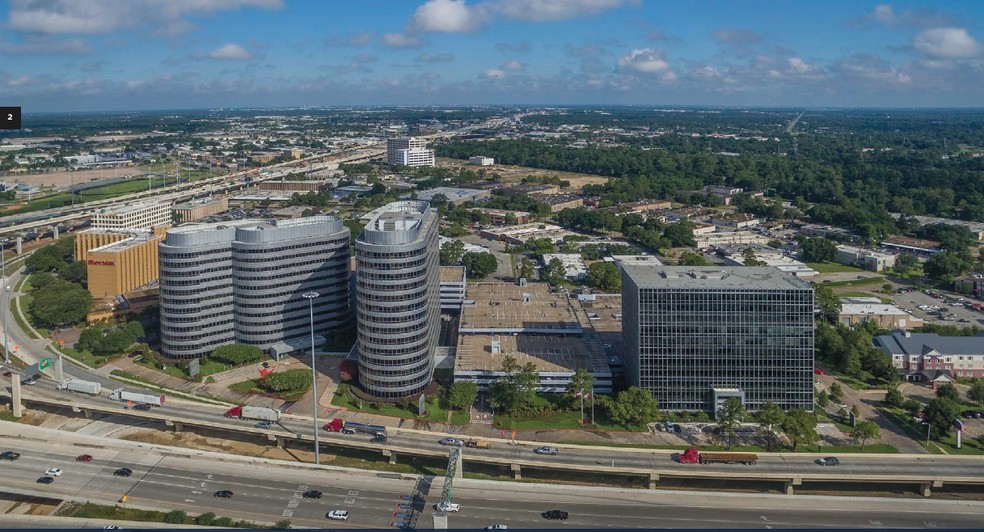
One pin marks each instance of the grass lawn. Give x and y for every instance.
(7, 415)
(563, 420)
(832, 267)
(131, 376)
(437, 411)
(86, 357)
(253, 386)
(95, 511)
(967, 445)
(25, 303)
(915, 431)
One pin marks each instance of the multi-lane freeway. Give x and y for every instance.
(267, 491)
(854, 468)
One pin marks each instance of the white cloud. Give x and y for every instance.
(45, 45)
(20, 82)
(493, 73)
(544, 10)
(799, 66)
(919, 18)
(445, 16)
(706, 72)
(645, 60)
(103, 16)
(950, 43)
(232, 52)
(400, 40)
(443, 57)
(515, 66)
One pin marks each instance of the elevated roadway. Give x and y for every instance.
(791, 470)
(266, 491)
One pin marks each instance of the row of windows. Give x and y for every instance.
(217, 288)
(395, 317)
(360, 254)
(196, 282)
(296, 265)
(397, 361)
(399, 309)
(341, 242)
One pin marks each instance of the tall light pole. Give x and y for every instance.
(4, 301)
(314, 376)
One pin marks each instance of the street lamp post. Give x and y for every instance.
(4, 301)
(314, 376)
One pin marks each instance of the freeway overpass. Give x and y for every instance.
(789, 470)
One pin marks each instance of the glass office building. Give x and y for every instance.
(695, 336)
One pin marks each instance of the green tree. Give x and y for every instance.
(946, 266)
(770, 417)
(176, 517)
(690, 258)
(527, 269)
(74, 272)
(205, 519)
(836, 392)
(553, 272)
(135, 329)
(290, 380)
(478, 264)
(749, 259)
(60, 303)
(823, 399)
(828, 302)
(819, 249)
(237, 354)
(634, 406)
(582, 382)
(451, 252)
(283, 524)
(912, 407)
(729, 417)
(41, 279)
(976, 391)
(462, 394)
(517, 387)
(438, 201)
(940, 413)
(800, 426)
(948, 391)
(864, 431)
(680, 234)
(893, 398)
(605, 276)
(115, 341)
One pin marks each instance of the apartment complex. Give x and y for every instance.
(695, 336)
(241, 282)
(398, 294)
(922, 357)
(134, 216)
(408, 151)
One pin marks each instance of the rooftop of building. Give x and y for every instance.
(714, 277)
(604, 312)
(108, 231)
(912, 242)
(122, 245)
(906, 343)
(864, 252)
(551, 354)
(501, 306)
(132, 207)
(638, 260)
(198, 202)
(452, 193)
(452, 274)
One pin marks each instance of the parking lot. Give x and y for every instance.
(962, 315)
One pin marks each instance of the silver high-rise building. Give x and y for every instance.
(695, 336)
(398, 294)
(241, 282)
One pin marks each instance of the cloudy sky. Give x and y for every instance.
(85, 55)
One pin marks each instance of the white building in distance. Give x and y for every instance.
(408, 151)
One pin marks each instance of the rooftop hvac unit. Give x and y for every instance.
(496, 347)
(527, 299)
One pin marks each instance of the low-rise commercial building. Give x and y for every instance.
(453, 285)
(741, 220)
(912, 245)
(574, 267)
(134, 216)
(294, 186)
(858, 310)
(125, 262)
(502, 217)
(867, 259)
(970, 283)
(559, 202)
(723, 193)
(478, 160)
(770, 256)
(713, 240)
(455, 195)
(195, 210)
(519, 234)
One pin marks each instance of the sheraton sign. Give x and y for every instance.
(91, 262)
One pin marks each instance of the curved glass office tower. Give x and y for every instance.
(398, 294)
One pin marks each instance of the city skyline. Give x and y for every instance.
(149, 54)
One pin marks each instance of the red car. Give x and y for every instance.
(818, 371)
(84, 458)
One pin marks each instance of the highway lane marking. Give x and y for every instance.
(874, 523)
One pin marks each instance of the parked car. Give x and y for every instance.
(338, 515)
(552, 451)
(828, 461)
(123, 472)
(555, 514)
(453, 442)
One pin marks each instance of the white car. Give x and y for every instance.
(497, 526)
(453, 442)
(111, 527)
(53, 472)
(448, 507)
(337, 515)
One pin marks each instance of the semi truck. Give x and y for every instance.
(136, 397)
(478, 444)
(75, 385)
(339, 425)
(261, 413)
(691, 456)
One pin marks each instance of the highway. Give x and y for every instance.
(267, 491)
(854, 467)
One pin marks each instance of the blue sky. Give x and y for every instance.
(85, 55)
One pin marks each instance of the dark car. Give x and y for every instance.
(829, 460)
(142, 406)
(123, 472)
(555, 514)
(312, 494)
(46, 480)
(9, 455)
(378, 438)
(84, 458)
(7, 373)
(225, 494)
